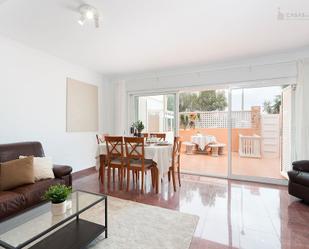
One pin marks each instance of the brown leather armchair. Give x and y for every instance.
(15, 200)
(299, 180)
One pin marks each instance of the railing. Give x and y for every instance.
(250, 146)
(219, 119)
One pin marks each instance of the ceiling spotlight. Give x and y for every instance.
(88, 12)
(81, 20)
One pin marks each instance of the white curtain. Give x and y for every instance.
(120, 111)
(300, 130)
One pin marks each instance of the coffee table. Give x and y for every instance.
(39, 228)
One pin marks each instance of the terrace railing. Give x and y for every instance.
(219, 119)
(250, 146)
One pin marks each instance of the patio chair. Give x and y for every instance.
(160, 136)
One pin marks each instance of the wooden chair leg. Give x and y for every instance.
(157, 180)
(109, 177)
(102, 169)
(143, 178)
(169, 175)
(125, 173)
(114, 175)
(102, 174)
(179, 176)
(173, 177)
(153, 178)
(128, 179)
(133, 174)
(120, 172)
(136, 178)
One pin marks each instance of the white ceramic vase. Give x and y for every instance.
(59, 208)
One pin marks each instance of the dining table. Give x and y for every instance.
(160, 153)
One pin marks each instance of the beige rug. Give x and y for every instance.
(139, 226)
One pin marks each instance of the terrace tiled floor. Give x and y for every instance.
(206, 164)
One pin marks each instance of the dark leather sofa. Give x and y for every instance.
(26, 196)
(299, 180)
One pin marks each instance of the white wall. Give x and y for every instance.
(33, 103)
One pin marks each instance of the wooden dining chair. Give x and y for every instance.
(145, 135)
(99, 139)
(175, 167)
(136, 162)
(115, 159)
(160, 136)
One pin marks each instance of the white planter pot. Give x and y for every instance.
(59, 208)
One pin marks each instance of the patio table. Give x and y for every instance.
(203, 140)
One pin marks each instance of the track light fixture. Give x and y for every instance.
(88, 12)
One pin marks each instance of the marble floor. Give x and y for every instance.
(233, 214)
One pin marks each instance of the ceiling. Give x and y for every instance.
(143, 35)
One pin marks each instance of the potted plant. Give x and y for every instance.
(139, 127)
(58, 195)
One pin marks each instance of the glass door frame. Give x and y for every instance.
(229, 87)
(232, 176)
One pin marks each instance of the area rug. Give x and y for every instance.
(140, 226)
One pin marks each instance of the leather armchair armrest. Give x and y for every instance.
(302, 165)
(62, 170)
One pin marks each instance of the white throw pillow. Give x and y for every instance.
(42, 167)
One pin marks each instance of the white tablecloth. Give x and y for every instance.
(203, 140)
(161, 155)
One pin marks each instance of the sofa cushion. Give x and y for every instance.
(42, 167)
(16, 173)
(10, 203)
(33, 193)
(299, 177)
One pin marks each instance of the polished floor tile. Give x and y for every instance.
(233, 214)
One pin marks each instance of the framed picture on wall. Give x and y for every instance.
(82, 107)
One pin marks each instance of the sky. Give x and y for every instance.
(254, 97)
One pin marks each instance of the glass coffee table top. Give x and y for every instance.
(30, 224)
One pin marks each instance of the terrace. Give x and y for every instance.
(255, 143)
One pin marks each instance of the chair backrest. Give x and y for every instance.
(161, 136)
(114, 147)
(145, 135)
(176, 151)
(135, 148)
(99, 139)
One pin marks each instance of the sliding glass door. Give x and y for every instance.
(257, 137)
(237, 133)
(158, 113)
(203, 127)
